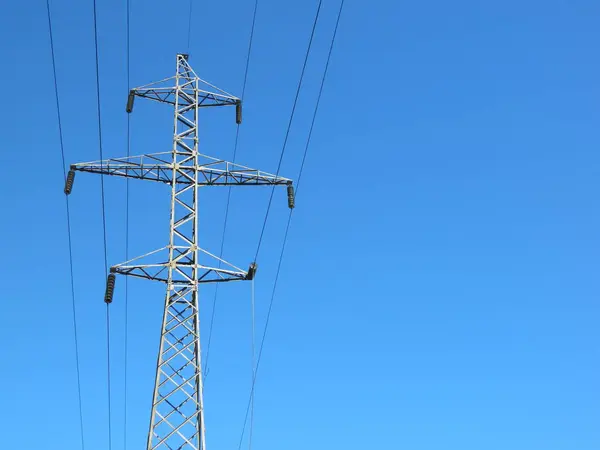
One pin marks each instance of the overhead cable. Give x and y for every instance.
(103, 219)
(289, 126)
(126, 337)
(287, 228)
(62, 151)
(237, 134)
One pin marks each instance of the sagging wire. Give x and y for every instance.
(126, 343)
(289, 126)
(62, 151)
(235, 147)
(103, 220)
(287, 228)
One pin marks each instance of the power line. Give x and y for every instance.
(103, 218)
(108, 370)
(62, 151)
(252, 363)
(287, 133)
(260, 350)
(312, 123)
(237, 134)
(100, 136)
(189, 33)
(249, 49)
(127, 48)
(287, 228)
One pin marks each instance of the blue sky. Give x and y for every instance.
(440, 287)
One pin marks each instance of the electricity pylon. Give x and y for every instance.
(177, 417)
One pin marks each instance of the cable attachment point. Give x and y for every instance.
(238, 112)
(69, 181)
(291, 196)
(251, 271)
(130, 100)
(110, 288)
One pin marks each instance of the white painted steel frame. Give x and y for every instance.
(177, 417)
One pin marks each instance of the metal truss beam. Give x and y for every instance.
(155, 266)
(156, 167)
(186, 90)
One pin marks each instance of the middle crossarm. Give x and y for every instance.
(157, 167)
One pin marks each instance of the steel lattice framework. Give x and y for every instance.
(177, 417)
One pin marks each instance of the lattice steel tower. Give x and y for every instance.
(177, 418)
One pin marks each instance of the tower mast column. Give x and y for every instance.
(177, 416)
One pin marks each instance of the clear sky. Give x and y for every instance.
(440, 288)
